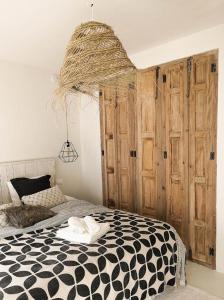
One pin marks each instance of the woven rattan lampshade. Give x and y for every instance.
(94, 56)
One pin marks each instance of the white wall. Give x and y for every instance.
(29, 127)
(90, 150)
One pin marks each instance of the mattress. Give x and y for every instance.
(137, 259)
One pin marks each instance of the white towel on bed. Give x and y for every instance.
(83, 230)
(78, 225)
(68, 234)
(92, 225)
(84, 225)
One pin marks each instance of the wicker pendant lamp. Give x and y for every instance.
(94, 56)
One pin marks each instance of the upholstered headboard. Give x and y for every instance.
(25, 168)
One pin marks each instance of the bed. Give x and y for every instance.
(137, 259)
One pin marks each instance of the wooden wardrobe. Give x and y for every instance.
(159, 148)
(117, 112)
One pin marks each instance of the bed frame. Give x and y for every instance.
(24, 168)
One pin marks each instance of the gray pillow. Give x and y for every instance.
(3, 220)
(27, 215)
(3, 217)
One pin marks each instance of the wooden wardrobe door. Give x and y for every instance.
(125, 120)
(202, 155)
(176, 151)
(108, 146)
(150, 202)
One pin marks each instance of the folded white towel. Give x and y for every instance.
(86, 238)
(78, 225)
(92, 225)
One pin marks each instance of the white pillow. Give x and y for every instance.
(47, 198)
(13, 193)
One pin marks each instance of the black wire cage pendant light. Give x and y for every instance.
(68, 153)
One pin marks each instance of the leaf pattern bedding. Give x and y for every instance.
(135, 260)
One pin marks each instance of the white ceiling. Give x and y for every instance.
(35, 32)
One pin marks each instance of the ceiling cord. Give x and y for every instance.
(91, 5)
(66, 119)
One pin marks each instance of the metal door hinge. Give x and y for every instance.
(213, 67)
(100, 93)
(165, 154)
(164, 77)
(157, 72)
(157, 79)
(189, 64)
(212, 155)
(133, 153)
(189, 67)
(211, 252)
(131, 86)
(102, 152)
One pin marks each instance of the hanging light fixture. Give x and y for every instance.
(68, 153)
(94, 56)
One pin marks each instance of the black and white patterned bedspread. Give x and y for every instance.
(135, 260)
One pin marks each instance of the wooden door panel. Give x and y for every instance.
(146, 98)
(175, 79)
(109, 119)
(148, 115)
(200, 202)
(175, 112)
(200, 156)
(150, 175)
(176, 116)
(117, 111)
(149, 193)
(200, 245)
(124, 155)
(108, 145)
(124, 192)
(176, 197)
(110, 186)
(110, 154)
(202, 138)
(200, 71)
(122, 112)
(200, 109)
(148, 146)
(175, 159)
(125, 109)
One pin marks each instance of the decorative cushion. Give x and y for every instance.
(6, 205)
(48, 198)
(27, 186)
(3, 217)
(26, 215)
